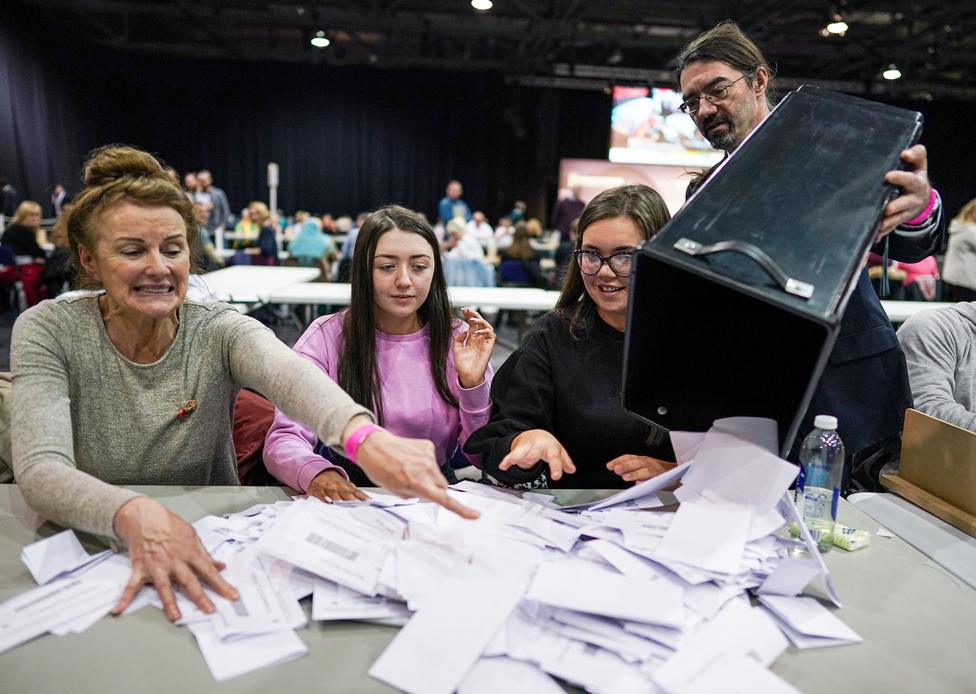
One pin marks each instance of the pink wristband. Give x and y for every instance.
(926, 212)
(357, 437)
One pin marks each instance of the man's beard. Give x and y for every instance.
(724, 140)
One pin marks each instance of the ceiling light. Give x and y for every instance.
(320, 40)
(892, 72)
(838, 27)
(483, 5)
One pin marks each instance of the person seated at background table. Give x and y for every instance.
(246, 228)
(312, 247)
(135, 385)
(205, 250)
(23, 237)
(557, 415)
(940, 350)
(398, 350)
(58, 273)
(267, 241)
(520, 262)
(480, 230)
(460, 243)
(504, 233)
(24, 234)
(959, 269)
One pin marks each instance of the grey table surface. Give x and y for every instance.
(918, 622)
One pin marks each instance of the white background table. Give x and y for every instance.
(337, 294)
(254, 283)
(916, 620)
(900, 311)
(294, 285)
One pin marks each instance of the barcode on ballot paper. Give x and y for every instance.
(331, 546)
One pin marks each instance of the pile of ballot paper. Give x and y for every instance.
(622, 595)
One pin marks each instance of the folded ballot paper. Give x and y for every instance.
(621, 595)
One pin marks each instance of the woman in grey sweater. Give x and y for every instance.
(136, 385)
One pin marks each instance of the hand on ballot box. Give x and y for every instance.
(915, 191)
(637, 468)
(406, 467)
(531, 446)
(330, 485)
(164, 550)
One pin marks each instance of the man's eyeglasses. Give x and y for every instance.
(590, 262)
(692, 105)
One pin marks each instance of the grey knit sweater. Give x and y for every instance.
(940, 349)
(85, 418)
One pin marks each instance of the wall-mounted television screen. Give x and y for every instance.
(646, 127)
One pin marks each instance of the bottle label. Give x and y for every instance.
(817, 503)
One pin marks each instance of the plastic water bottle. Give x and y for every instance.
(822, 458)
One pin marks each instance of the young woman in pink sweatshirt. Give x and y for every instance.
(397, 350)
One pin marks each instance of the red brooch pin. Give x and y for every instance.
(187, 409)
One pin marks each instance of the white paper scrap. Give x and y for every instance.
(415, 662)
(330, 601)
(37, 611)
(737, 630)
(707, 536)
(810, 618)
(738, 675)
(790, 577)
(327, 541)
(500, 674)
(56, 555)
(586, 587)
(260, 608)
(235, 657)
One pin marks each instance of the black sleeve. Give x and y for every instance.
(522, 397)
(22, 241)
(913, 249)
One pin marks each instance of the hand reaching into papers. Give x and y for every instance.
(637, 468)
(407, 467)
(472, 349)
(531, 446)
(329, 485)
(165, 549)
(915, 191)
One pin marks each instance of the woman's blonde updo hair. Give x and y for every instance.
(120, 172)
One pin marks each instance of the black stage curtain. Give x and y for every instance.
(346, 140)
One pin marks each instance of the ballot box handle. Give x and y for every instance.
(789, 285)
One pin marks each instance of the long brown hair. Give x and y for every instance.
(520, 247)
(727, 43)
(645, 208)
(119, 172)
(358, 372)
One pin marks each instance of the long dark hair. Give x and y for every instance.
(727, 43)
(641, 204)
(358, 372)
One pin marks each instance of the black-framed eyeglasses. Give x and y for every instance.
(590, 262)
(713, 96)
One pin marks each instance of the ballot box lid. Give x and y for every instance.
(793, 210)
(735, 305)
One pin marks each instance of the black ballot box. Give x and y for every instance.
(736, 303)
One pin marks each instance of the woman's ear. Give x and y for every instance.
(87, 260)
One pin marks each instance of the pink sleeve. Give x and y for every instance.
(289, 448)
(474, 410)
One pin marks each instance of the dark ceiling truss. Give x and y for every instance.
(931, 40)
